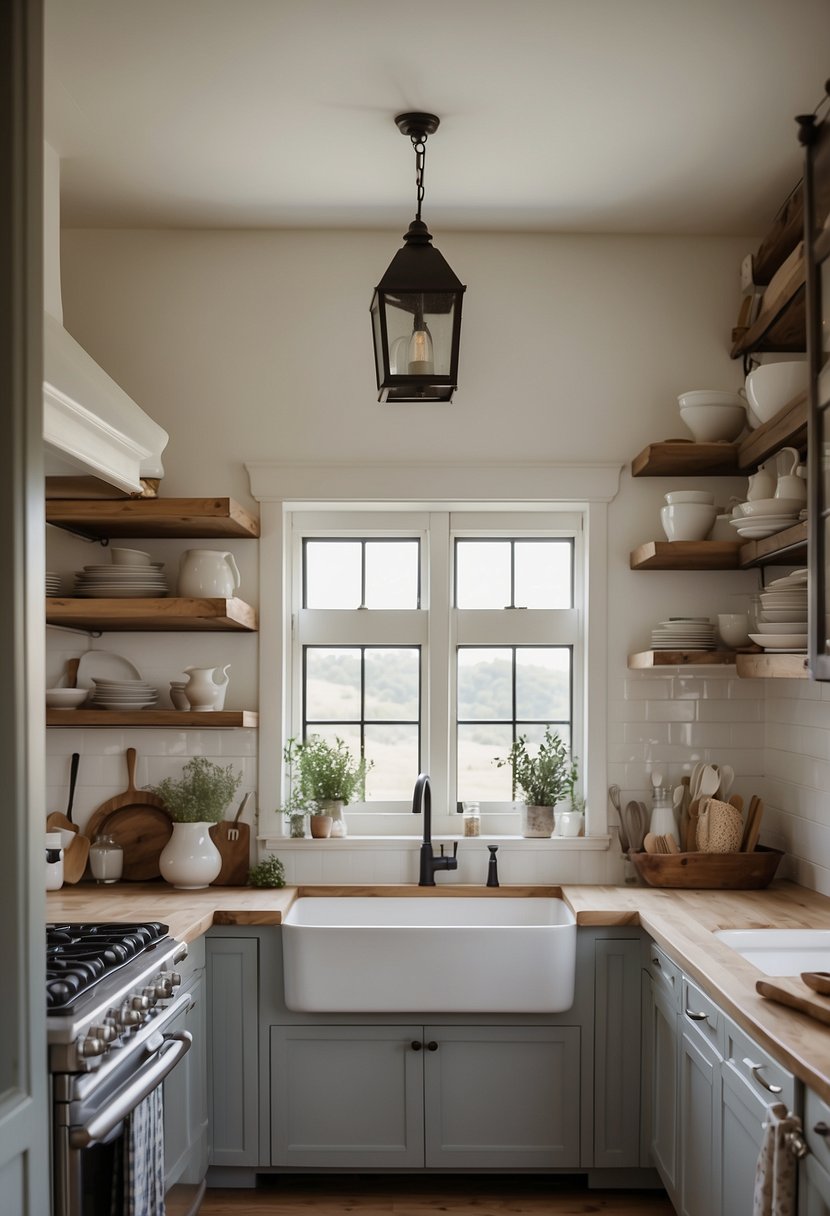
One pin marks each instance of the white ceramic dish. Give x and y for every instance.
(66, 698)
(714, 423)
(780, 641)
(699, 496)
(781, 626)
(773, 385)
(687, 520)
(710, 397)
(771, 506)
(130, 557)
(104, 663)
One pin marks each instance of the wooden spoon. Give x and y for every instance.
(691, 827)
(819, 981)
(55, 821)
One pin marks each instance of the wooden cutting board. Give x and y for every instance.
(236, 860)
(139, 822)
(796, 995)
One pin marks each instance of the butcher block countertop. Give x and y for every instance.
(681, 922)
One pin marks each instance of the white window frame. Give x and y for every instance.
(284, 489)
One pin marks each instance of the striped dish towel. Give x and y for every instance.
(144, 1158)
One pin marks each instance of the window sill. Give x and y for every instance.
(519, 844)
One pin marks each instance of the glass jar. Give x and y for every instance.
(472, 818)
(106, 859)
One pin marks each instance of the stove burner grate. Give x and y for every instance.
(79, 955)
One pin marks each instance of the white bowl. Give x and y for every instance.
(710, 396)
(771, 506)
(733, 628)
(66, 698)
(702, 496)
(781, 626)
(770, 387)
(687, 520)
(710, 423)
(130, 557)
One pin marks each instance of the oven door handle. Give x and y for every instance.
(134, 1092)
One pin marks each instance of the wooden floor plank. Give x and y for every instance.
(409, 1196)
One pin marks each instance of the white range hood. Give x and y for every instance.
(91, 427)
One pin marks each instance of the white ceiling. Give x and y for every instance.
(630, 116)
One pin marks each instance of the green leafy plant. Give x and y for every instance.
(296, 805)
(201, 794)
(575, 802)
(542, 777)
(329, 771)
(268, 873)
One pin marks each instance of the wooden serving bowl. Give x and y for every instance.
(709, 871)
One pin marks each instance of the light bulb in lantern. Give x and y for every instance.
(421, 358)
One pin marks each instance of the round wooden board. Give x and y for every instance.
(141, 829)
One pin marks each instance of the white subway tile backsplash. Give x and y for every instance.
(671, 711)
(648, 688)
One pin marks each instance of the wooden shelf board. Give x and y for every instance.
(221, 518)
(647, 659)
(772, 666)
(165, 615)
(783, 326)
(686, 555)
(788, 428)
(677, 458)
(783, 548)
(181, 719)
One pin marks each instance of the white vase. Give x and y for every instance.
(190, 859)
(334, 807)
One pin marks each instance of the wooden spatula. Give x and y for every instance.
(233, 840)
(56, 821)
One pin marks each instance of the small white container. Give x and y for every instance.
(106, 859)
(54, 861)
(687, 520)
(733, 628)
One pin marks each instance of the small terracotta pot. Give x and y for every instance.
(321, 826)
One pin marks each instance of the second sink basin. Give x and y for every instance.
(780, 951)
(409, 954)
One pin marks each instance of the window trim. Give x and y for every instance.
(282, 489)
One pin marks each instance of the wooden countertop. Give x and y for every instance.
(681, 922)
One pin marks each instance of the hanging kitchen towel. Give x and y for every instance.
(144, 1152)
(776, 1169)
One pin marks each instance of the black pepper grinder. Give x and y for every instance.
(493, 866)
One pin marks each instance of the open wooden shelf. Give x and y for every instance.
(682, 458)
(772, 666)
(647, 659)
(220, 518)
(782, 548)
(781, 326)
(786, 429)
(162, 615)
(224, 718)
(686, 555)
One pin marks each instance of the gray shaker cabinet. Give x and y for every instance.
(660, 1039)
(814, 1169)
(616, 1053)
(699, 1130)
(233, 1089)
(484, 1097)
(185, 1093)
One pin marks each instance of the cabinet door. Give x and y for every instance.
(742, 1131)
(185, 1100)
(813, 1188)
(699, 1127)
(501, 1097)
(616, 1053)
(347, 1097)
(662, 1035)
(232, 1050)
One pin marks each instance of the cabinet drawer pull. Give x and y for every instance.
(416, 1045)
(821, 1129)
(432, 1045)
(755, 1069)
(697, 1017)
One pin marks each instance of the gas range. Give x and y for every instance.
(104, 983)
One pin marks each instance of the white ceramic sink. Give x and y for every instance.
(364, 954)
(780, 951)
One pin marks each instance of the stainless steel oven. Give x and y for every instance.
(113, 994)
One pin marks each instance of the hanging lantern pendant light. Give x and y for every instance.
(416, 308)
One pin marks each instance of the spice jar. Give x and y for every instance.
(54, 861)
(472, 818)
(106, 859)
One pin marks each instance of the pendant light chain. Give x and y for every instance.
(419, 143)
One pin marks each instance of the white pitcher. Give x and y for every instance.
(206, 687)
(208, 572)
(761, 484)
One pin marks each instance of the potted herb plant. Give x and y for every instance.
(194, 801)
(296, 806)
(540, 777)
(330, 776)
(571, 821)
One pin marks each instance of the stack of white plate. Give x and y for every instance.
(121, 582)
(683, 633)
(122, 694)
(782, 620)
(766, 516)
(53, 583)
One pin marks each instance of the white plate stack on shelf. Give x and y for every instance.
(122, 694)
(121, 582)
(765, 516)
(684, 633)
(782, 619)
(53, 583)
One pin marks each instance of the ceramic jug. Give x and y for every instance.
(206, 687)
(208, 572)
(761, 484)
(790, 483)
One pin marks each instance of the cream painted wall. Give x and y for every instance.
(257, 345)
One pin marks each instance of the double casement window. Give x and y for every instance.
(428, 641)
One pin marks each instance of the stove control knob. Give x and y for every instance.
(151, 995)
(138, 1001)
(106, 1032)
(175, 979)
(163, 987)
(91, 1046)
(130, 1017)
